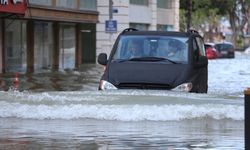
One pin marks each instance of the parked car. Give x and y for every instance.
(165, 60)
(225, 49)
(211, 52)
(247, 50)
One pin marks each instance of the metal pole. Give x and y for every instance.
(110, 18)
(110, 9)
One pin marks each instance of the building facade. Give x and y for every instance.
(48, 34)
(141, 14)
(63, 34)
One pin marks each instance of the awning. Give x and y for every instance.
(13, 6)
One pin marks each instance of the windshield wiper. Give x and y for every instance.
(148, 59)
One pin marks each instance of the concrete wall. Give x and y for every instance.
(169, 16)
(140, 14)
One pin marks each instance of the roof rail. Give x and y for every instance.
(193, 31)
(129, 30)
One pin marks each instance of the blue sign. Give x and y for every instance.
(111, 26)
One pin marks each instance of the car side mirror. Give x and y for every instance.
(102, 59)
(202, 62)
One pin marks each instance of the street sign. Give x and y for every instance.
(111, 26)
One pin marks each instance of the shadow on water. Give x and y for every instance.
(86, 78)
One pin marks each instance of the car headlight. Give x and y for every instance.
(105, 85)
(186, 87)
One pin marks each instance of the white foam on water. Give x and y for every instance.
(121, 112)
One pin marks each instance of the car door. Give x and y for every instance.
(200, 63)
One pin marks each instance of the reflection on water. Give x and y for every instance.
(87, 78)
(202, 134)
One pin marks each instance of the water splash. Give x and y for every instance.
(137, 106)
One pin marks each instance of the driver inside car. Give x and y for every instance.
(133, 50)
(175, 50)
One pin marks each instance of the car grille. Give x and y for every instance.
(144, 86)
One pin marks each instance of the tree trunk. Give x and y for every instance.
(232, 20)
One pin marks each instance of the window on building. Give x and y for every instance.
(66, 3)
(67, 46)
(139, 2)
(139, 26)
(15, 45)
(165, 27)
(88, 4)
(43, 46)
(165, 4)
(41, 2)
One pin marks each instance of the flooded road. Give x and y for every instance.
(86, 79)
(64, 110)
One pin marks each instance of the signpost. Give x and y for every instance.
(111, 25)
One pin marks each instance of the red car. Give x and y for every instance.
(211, 52)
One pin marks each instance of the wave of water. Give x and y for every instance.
(227, 80)
(118, 105)
(122, 113)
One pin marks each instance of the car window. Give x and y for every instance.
(195, 50)
(201, 46)
(169, 47)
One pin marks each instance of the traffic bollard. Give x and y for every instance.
(247, 117)
(16, 81)
(247, 94)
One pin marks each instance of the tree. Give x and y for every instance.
(237, 12)
(210, 12)
(203, 16)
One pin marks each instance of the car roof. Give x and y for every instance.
(225, 42)
(161, 33)
(209, 43)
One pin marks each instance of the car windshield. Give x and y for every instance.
(152, 48)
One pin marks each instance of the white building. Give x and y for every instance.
(140, 14)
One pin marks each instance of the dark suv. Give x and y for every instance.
(156, 60)
(225, 50)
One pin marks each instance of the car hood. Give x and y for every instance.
(147, 74)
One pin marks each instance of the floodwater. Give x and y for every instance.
(64, 110)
